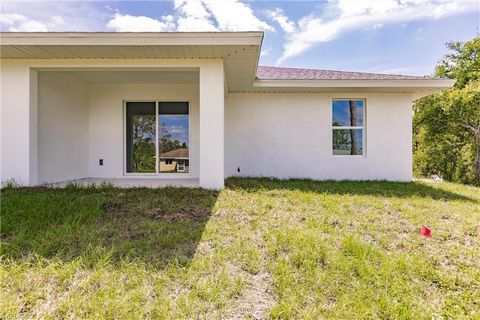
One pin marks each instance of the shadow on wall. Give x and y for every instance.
(375, 188)
(96, 225)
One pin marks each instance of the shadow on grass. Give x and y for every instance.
(105, 225)
(155, 226)
(376, 188)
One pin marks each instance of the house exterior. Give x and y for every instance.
(174, 160)
(107, 105)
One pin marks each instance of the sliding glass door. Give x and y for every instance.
(141, 137)
(157, 130)
(174, 136)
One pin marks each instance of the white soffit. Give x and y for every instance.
(239, 50)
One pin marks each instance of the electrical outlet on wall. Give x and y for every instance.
(100, 162)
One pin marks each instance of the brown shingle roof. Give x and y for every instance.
(177, 153)
(281, 73)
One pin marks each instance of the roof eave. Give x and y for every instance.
(416, 88)
(239, 50)
(130, 38)
(363, 83)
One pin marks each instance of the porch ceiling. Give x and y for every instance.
(148, 77)
(239, 50)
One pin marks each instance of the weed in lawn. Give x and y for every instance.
(260, 248)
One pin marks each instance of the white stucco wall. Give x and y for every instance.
(290, 135)
(279, 135)
(106, 132)
(212, 125)
(18, 122)
(62, 127)
(19, 135)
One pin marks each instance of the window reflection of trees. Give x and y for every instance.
(348, 128)
(143, 143)
(166, 142)
(157, 137)
(353, 123)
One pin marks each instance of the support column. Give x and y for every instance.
(212, 100)
(18, 114)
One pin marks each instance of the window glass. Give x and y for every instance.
(141, 137)
(348, 126)
(173, 122)
(347, 113)
(348, 141)
(143, 147)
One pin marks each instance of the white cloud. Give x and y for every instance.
(20, 23)
(233, 15)
(195, 15)
(125, 23)
(265, 52)
(176, 129)
(29, 26)
(279, 16)
(56, 20)
(354, 14)
(349, 8)
(76, 15)
(11, 18)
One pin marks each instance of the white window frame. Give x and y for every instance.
(362, 127)
(157, 173)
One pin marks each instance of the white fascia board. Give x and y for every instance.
(130, 38)
(410, 83)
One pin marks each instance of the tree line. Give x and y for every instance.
(446, 125)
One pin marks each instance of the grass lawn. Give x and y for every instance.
(258, 249)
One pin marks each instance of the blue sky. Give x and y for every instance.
(385, 36)
(176, 125)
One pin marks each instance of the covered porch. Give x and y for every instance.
(118, 125)
(78, 100)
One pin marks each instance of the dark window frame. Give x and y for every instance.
(171, 106)
(353, 129)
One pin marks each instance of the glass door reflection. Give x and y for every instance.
(141, 137)
(173, 126)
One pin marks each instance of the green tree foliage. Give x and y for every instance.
(166, 142)
(144, 143)
(447, 125)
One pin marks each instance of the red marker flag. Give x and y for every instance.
(425, 232)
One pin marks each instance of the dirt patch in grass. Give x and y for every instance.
(256, 300)
(259, 249)
(131, 206)
(156, 226)
(191, 213)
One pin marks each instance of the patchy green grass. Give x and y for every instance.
(258, 249)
